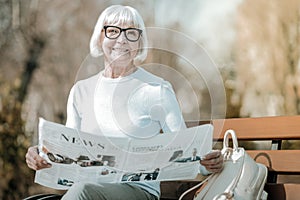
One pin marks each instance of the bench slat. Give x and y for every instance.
(289, 191)
(282, 161)
(261, 128)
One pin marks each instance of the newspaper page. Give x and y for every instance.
(77, 156)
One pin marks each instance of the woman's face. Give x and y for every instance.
(119, 51)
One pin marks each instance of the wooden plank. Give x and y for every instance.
(281, 161)
(261, 128)
(171, 190)
(287, 191)
(292, 191)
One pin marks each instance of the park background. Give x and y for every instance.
(254, 44)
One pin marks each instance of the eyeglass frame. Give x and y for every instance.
(123, 30)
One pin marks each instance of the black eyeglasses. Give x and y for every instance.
(131, 34)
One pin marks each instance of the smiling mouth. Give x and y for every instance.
(121, 50)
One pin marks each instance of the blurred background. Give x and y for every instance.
(44, 46)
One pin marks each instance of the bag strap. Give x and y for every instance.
(195, 187)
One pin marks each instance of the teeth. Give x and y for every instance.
(120, 50)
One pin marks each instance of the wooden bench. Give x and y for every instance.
(283, 162)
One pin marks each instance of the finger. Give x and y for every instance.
(212, 161)
(34, 161)
(212, 154)
(43, 164)
(214, 168)
(30, 155)
(213, 165)
(216, 165)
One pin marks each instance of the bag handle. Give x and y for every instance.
(226, 140)
(228, 193)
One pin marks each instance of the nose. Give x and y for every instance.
(122, 38)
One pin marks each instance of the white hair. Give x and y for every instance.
(118, 14)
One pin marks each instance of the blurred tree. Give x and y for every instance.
(267, 57)
(42, 45)
(16, 177)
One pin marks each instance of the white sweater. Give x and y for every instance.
(138, 105)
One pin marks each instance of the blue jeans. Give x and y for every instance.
(107, 191)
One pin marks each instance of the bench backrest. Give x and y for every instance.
(261, 128)
(275, 129)
(280, 162)
(283, 164)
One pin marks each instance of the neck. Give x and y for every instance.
(113, 71)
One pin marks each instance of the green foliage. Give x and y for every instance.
(16, 177)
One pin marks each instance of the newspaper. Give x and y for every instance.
(76, 156)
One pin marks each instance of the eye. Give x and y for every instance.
(113, 31)
(132, 32)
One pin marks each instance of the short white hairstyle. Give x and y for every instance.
(125, 15)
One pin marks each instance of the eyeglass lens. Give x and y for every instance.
(113, 32)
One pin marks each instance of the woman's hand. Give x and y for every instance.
(213, 161)
(34, 160)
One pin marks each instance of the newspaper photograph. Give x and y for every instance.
(77, 156)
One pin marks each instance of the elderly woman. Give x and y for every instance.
(123, 100)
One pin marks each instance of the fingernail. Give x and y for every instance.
(44, 162)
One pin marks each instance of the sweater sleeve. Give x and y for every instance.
(173, 120)
(73, 117)
(173, 116)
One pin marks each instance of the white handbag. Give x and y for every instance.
(241, 178)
